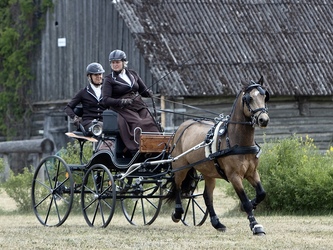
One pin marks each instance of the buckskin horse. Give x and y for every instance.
(230, 153)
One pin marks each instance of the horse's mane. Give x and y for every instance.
(235, 101)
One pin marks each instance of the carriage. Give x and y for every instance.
(181, 166)
(139, 182)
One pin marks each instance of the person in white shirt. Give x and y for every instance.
(90, 98)
(122, 92)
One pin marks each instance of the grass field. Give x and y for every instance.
(282, 232)
(25, 232)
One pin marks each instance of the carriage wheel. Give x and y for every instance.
(142, 202)
(195, 210)
(52, 191)
(98, 196)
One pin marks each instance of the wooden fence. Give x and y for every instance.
(40, 147)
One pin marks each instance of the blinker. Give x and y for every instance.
(247, 98)
(259, 88)
(263, 92)
(267, 96)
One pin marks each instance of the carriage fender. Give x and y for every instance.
(102, 157)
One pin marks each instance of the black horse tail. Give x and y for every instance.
(187, 186)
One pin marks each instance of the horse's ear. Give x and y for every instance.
(261, 81)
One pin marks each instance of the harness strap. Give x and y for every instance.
(235, 150)
(190, 165)
(220, 170)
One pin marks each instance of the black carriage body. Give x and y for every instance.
(139, 182)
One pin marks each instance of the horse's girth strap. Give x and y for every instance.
(220, 170)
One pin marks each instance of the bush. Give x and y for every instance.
(2, 170)
(71, 154)
(18, 187)
(298, 178)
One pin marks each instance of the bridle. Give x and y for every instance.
(246, 99)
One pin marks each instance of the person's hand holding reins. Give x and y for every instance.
(77, 120)
(125, 102)
(149, 93)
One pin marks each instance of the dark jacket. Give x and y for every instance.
(131, 116)
(92, 107)
(114, 88)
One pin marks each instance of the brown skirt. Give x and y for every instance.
(133, 116)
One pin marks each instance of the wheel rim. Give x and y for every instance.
(52, 191)
(98, 196)
(142, 202)
(195, 212)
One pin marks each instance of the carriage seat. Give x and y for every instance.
(111, 129)
(110, 123)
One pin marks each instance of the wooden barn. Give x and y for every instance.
(194, 54)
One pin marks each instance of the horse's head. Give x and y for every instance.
(254, 103)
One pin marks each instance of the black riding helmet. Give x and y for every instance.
(117, 55)
(95, 68)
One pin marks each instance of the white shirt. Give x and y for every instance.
(97, 90)
(125, 77)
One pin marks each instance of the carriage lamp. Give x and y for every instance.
(96, 129)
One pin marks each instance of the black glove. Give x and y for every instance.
(125, 102)
(77, 120)
(149, 93)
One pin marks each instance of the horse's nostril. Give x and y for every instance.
(263, 122)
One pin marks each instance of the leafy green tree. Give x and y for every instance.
(21, 22)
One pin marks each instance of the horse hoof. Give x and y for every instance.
(258, 230)
(174, 219)
(221, 229)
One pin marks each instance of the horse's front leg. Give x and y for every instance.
(260, 195)
(254, 180)
(248, 205)
(208, 197)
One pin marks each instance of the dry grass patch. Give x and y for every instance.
(7, 204)
(283, 232)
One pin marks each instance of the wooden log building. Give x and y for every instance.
(194, 52)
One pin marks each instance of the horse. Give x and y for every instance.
(230, 153)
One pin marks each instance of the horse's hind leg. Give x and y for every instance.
(177, 214)
(178, 180)
(208, 196)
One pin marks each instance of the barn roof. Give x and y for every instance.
(209, 47)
